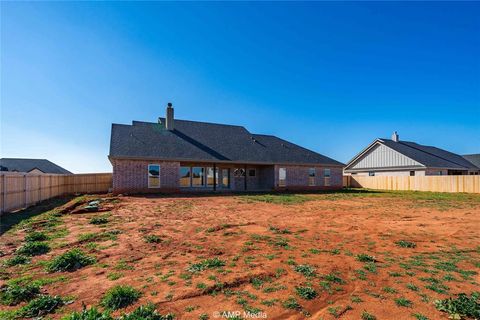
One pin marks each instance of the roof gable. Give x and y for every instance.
(27, 165)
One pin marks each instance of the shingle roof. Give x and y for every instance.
(26, 165)
(201, 141)
(429, 156)
(473, 159)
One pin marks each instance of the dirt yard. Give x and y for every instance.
(345, 255)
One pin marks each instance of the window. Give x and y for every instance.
(371, 173)
(412, 173)
(252, 172)
(239, 172)
(185, 177)
(154, 176)
(226, 178)
(440, 173)
(282, 177)
(210, 177)
(326, 173)
(198, 177)
(311, 176)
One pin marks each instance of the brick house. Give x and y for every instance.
(177, 155)
(394, 157)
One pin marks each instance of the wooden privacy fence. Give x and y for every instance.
(19, 190)
(470, 184)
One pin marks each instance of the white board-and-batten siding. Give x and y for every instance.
(381, 156)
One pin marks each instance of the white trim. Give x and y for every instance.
(148, 176)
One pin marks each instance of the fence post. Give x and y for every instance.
(25, 190)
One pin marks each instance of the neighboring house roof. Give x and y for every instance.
(473, 159)
(27, 165)
(201, 141)
(428, 156)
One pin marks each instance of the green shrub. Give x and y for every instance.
(307, 293)
(36, 236)
(462, 306)
(13, 294)
(365, 258)
(120, 297)
(70, 261)
(146, 312)
(152, 238)
(206, 264)
(16, 260)
(41, 306)
(99, 220)
(88, 314)
(405, 244)
(34, 248)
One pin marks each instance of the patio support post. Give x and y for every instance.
(245, 180)
(214, 178)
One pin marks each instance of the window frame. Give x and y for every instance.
(312, 178)
(227, 176)
(254, 172)
(203, 178)
(149, 175)
(325, 175)
(371, 173)
(412, 173)
(282, 182)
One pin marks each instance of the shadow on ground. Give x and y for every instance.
(9, 220)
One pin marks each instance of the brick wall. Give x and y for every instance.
(297, 177)
(132, 176)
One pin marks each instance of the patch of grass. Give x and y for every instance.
(40, 306)
(363, 257)
(99, 236)
(34, 248)
(152, 238)
(114, 276)
(305, 269)
(120, 297)
(403, 302)
(279, 230)
(307, 292)
(13, 294)
(206, 264)
(99, 220)
(406, 244)
(333, 277)
(389, 290)
(367, 316)
(462, 306)
(146, 312)
(412, 287)
(356, 299)
(70, 261)
(16, 260)
(123, 265)
(36, 236)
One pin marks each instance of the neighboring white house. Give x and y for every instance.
(392, 157)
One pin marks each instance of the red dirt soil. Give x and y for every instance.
(325, 232)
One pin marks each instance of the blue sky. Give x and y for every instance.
(330, 76)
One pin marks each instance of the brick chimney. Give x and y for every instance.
(395, 136)
(169, 117)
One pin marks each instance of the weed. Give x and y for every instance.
(419, 316)
(307, 292)
(370, 267)
(114, 276)
(403, 302)
(99, 220)
(13, 294)
(36, 236)
(461, 306)
(120, 297)
(278, 230)
(152, 238)
(16, 260)
(368, 316)
(291, 303)
(269, 303)
(88, 314)
(305, 269)
(35, 248)
(41, 306)
(203, 316)
(412, 287)
(389, 290)
(70, 261)
(356, 299)
(206, 264)
(147, 312)
(365, 258)
(333, 277)
(406, 244)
